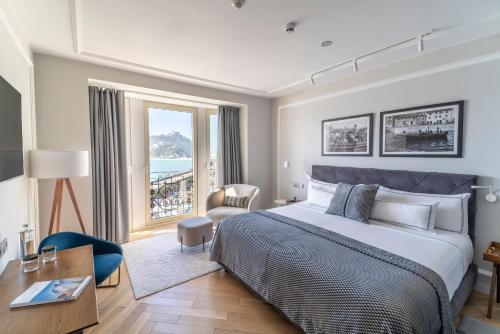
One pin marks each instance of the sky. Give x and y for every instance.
(163, 121)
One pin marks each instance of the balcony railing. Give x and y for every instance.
(171, 194)
(213, 175)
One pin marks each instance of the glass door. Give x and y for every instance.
(212, 150)
(171, 160)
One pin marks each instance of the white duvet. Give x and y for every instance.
(447, 253)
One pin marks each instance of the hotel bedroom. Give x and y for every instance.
(249, 166)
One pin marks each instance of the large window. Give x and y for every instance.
(171, 162)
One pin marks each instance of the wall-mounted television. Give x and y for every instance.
(11, 132)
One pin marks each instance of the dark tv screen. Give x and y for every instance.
(11, 132)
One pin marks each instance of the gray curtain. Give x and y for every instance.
(229, 154)
(109, 164)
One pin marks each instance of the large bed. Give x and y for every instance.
(327, 274)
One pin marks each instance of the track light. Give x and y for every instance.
(420, 43)
(355, 64)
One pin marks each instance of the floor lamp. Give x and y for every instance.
(60, 165)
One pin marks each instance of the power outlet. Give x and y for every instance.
(3, 247)
(298, 185)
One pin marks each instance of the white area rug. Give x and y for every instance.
(156, 264)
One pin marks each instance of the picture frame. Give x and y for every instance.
(347, 136)
(429, 131)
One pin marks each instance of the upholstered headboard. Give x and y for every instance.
(418, 182)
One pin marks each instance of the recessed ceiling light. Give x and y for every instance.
(324, 44)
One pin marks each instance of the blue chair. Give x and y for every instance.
(107, 255)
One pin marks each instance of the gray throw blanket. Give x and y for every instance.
(324, 282)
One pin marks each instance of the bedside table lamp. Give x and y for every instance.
(60, 165)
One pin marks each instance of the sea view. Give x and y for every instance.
(169, 165)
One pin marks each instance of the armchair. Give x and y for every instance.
(216, 211)
(107, 255)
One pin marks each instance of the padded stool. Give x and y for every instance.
(194, 231)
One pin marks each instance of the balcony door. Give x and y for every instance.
(212, 120)
(171, 160)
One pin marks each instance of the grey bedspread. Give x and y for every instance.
(325, 282)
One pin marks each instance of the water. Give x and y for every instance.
(424, 145)
(169, 165)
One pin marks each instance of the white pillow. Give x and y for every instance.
(451, 212)
(320, 193)
(414, 215)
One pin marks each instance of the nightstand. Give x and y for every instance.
(283, 202)
(492, 254)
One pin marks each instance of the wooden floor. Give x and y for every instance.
(212, 304)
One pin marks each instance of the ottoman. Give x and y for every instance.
(194, 231)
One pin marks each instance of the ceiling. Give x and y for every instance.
(213, 44)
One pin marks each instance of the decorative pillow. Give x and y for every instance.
(236, 201)
(353, 201)
(320, 193)
(415, 215)
(451, 214)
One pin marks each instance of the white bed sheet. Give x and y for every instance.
(449, 254)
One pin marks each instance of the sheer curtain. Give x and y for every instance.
(109, 164)
(229, 153)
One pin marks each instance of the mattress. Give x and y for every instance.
(449, 254)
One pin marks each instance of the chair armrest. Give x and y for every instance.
(253, 204)
(105, 247)
(67, 240)
(215, 199)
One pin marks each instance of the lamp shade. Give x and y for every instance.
(52, 164)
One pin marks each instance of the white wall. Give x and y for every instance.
(63, 123)
(16, 202)
(298, 132)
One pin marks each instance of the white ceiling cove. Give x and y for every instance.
(213, 44)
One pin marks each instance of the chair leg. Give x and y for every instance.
(203, 244)
(181, 244)
(112, 285)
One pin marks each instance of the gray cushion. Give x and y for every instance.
(236, 201)
(353, 201)
(221, 212)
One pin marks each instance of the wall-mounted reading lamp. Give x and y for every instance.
(491, 197)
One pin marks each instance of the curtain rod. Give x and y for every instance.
(131, 90)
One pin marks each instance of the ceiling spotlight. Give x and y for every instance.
(290, 27)
(238, 3)
(355, 65)
(420, 43)
(325, 44)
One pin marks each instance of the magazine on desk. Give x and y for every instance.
(57, 290)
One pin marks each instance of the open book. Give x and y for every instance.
(58, 290)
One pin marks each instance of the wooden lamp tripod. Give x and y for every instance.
(60, 165)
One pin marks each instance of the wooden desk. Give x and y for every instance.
(62, 317)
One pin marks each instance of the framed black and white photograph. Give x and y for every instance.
(347, 136)
(426, 131)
